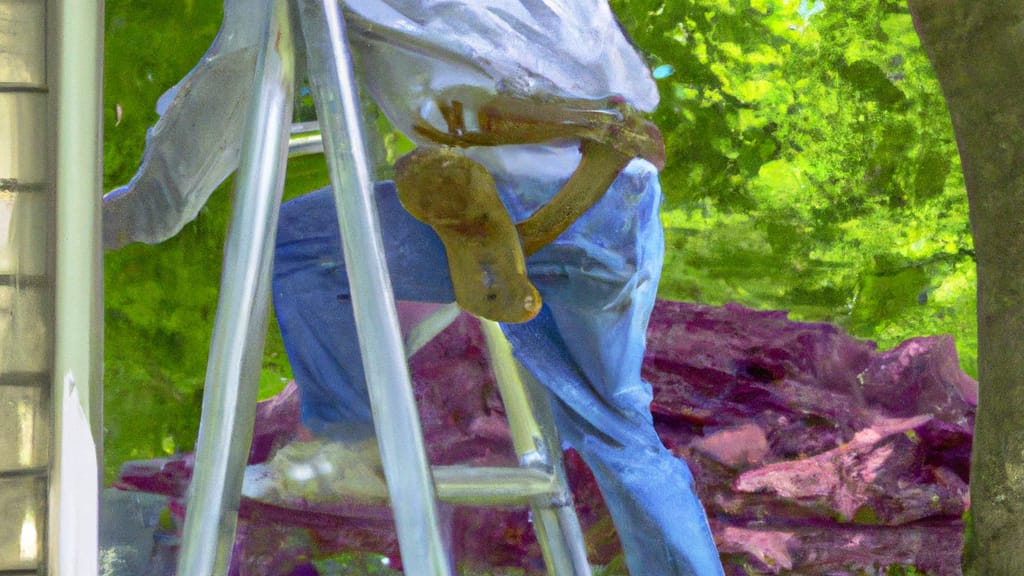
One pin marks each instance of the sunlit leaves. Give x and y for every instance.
(812, 164)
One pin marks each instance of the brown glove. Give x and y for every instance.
(458, 199)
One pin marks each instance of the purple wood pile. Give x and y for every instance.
(813, 452)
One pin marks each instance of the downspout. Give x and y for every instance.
(75, 75)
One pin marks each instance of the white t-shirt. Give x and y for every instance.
(411, 51)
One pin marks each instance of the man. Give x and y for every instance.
(524, 87)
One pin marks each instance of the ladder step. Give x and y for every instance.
(305, 139)
(465, 485)
(490, 486)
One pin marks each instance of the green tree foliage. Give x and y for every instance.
(812, 167)
(161, 300)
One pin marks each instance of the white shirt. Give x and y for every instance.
(410, 51)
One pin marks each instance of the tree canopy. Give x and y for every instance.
(812, 165)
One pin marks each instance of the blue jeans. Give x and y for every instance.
(598, 281)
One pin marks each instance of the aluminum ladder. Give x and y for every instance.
(236, 348)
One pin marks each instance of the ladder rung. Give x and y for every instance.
(461, 484)
(489, 486)
(305, 139)
(305, 144)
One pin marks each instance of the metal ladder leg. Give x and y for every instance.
(236, 349)
(540, 481)
(396, 420)
(536, 443)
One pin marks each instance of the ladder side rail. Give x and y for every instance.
(536, 442)
(236, 349)
(561, 513)
(399, 434)
(564, 512)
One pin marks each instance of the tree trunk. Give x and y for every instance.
(977, 50)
